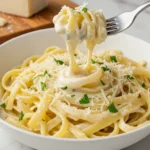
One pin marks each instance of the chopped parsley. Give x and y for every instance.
(143, 85)
(75, 54)
(84, 9)
(106, 68)
(3, 105)
(64, 88)
(102, 82)
(129, 77)
(46, 73)
(42, 75)
(59, 62)
(100, 63)
(113, 59)
(21, 116)
(95, 62)
(112, 108)
(84, 99)
(73, 95)
(43, 86)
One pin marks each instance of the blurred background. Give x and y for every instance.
(17, 25)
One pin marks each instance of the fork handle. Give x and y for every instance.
(141, 8)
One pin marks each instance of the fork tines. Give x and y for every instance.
(112, 26)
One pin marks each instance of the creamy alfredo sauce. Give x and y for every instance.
(78, 25)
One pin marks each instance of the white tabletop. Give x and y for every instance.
(141, 29)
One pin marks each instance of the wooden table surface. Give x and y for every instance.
(19, 25)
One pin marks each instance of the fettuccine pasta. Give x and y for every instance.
(70, 94)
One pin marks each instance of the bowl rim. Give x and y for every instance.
(28, 133)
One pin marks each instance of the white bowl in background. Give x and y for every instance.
(13, 52)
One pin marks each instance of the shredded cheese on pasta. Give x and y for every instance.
(69, 94)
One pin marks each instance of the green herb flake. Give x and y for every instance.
(100, 63)
(106, 68)
(129, 77)
(75, 55)
(84, 99)
(21, 116)
(3, 105)
(64, 88)
(84, 9)
(143, 85)
(73, 95)
(113, 59)
(46, 73)
(59, 62)
(95, 62)
(43, 86)
(102, 82)
(41, 75)
(112, 108)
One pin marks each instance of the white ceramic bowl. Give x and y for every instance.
(13, 52)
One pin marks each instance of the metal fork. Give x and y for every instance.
(125, 20)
